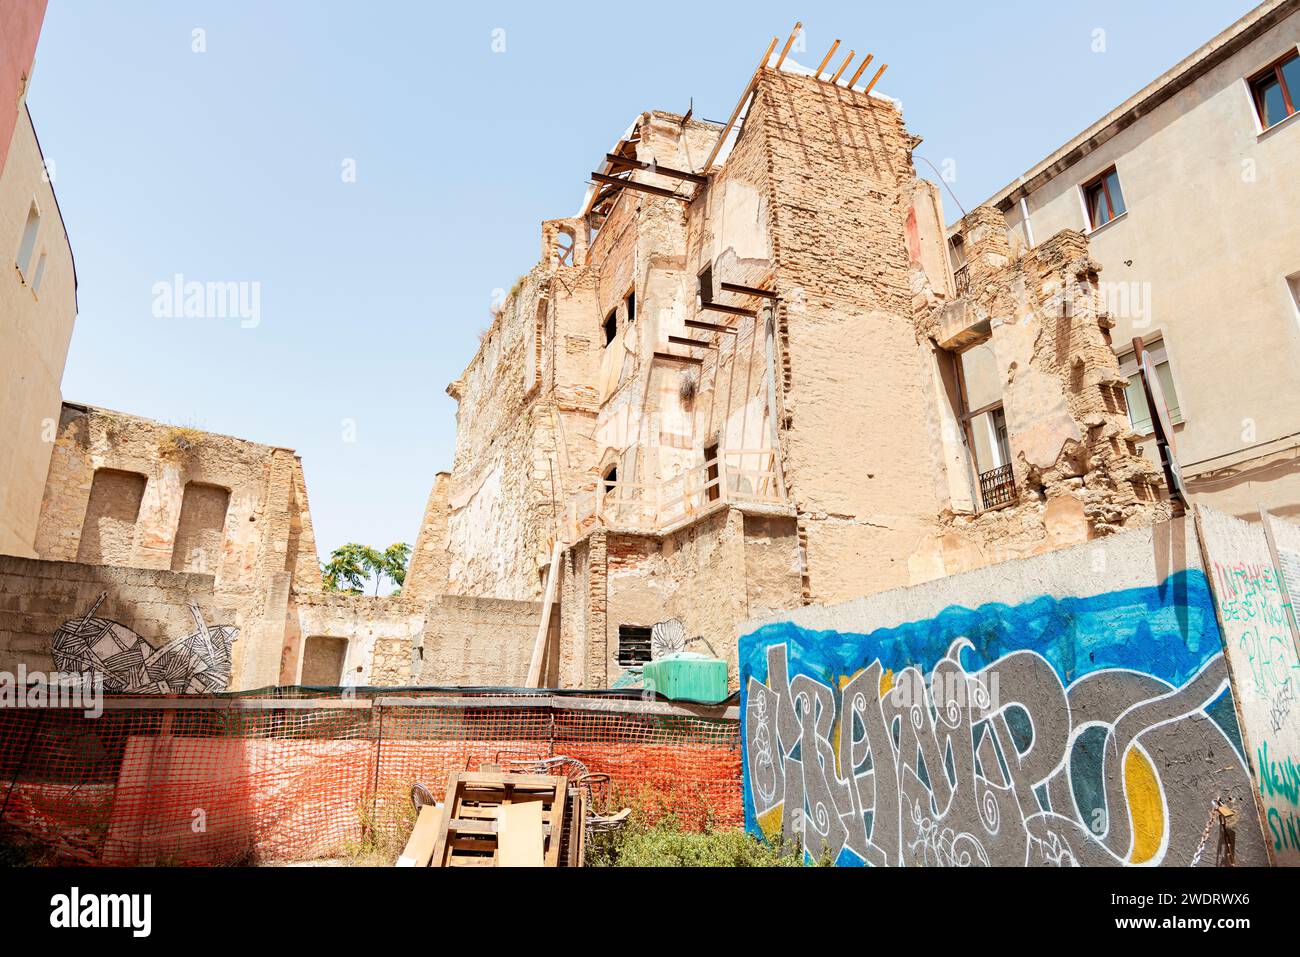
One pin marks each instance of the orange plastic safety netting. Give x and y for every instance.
(231, 779)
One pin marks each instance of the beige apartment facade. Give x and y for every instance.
(1188, 194)
(38, 306)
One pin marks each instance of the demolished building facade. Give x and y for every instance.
(742, 381)
(739, 381)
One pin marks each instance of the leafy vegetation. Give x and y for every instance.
(654, 836)
(352, 567)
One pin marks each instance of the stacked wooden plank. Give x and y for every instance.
(498, 819)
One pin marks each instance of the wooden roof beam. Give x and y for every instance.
(861, 70)
(735, 114)
(847, 60)
(827, 58)
(798, 25)
(882, 69)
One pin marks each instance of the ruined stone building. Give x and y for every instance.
(742, 379)
(1188, 194)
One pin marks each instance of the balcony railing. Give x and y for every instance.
(740, 477)
(997, 487)
(961, 275)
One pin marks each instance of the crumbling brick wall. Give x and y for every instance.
(1077, 471)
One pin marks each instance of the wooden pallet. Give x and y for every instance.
(474, 826)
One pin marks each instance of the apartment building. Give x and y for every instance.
(1188, 193)
(38, 291)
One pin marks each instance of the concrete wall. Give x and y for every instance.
(1201, 258)
(37, 597)
(35, 326)
(1261, 648)
(449, 640)
(1072, 708)
(128, 491)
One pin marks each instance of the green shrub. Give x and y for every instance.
(654, 837)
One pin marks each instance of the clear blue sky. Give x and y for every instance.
(226, 166)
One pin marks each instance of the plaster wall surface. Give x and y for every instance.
(35, 323)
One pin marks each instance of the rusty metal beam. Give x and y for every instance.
(710, 326)
(615, 160)
(748, 290)
(729, 310)
(643, 187)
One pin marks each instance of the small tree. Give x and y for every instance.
(352, 565)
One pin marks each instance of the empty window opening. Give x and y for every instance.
(1104, 198)
(705, 280)
(609, 478)
(610, 326)
(712, 485)
(108, 530)
(985, 423)
(564, 243)
(630, 302)
(201, 529)
(323, 658)
(1276, 90)
(1139, 412)
(28, 244)
(633, 645)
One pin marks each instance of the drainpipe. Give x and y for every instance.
(1024, 216)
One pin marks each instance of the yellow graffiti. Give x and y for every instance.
(770, 822)
(1145, 807)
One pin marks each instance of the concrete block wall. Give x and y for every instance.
(37, 596)
(1087, 706)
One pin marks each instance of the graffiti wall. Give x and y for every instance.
(1068, 709)
(1255, 616)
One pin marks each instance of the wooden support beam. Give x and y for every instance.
(615, 160)
(677, 357)
(749, 88)
(826, 59)
(847, 60)
(798, 25)
(683, 341)
(862, 68)
(729, 310)
(641, 187)
(710, 326)
(534, 679)
(882, 69)
(749, 290)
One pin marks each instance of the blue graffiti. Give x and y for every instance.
(825, 747)
(1167, 630)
